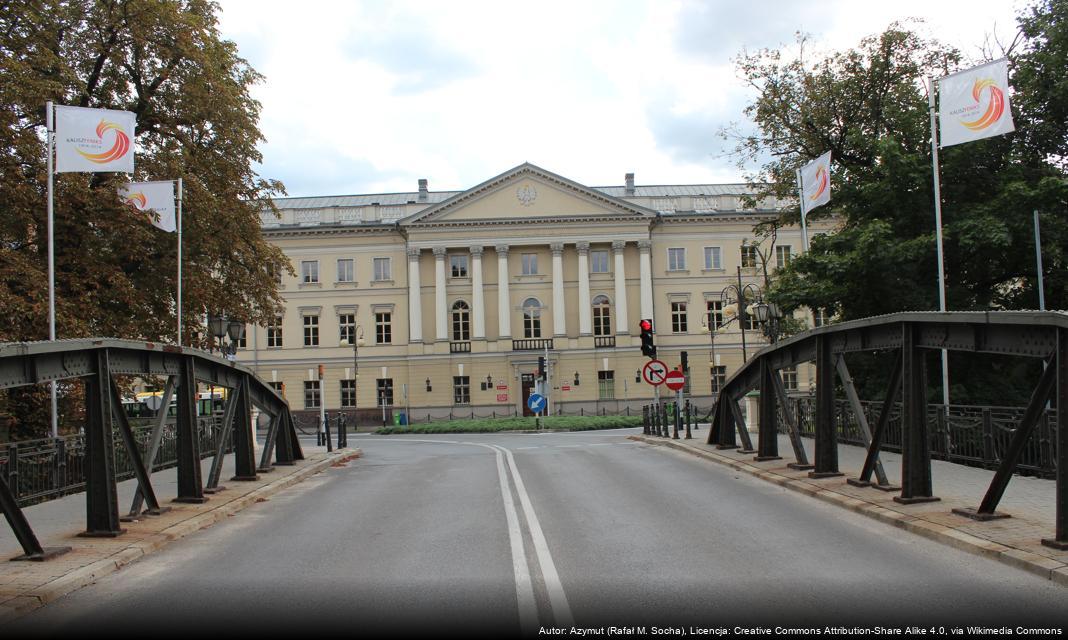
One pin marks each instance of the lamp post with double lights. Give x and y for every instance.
(220, 327)
(739, 293)
(768, 314)
(354, 339)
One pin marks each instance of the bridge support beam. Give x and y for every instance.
(190, 487)
(892, 393)
(826, 433)
(725, 422)
(244, 449)
(916, 447)
(101, 501)
(1061, 365)
(768, 440)
(862, 422)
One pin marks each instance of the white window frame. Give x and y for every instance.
(783, 255)
(306, 274)
(530, 264)
(713, 258)
(383, 274)
(351, 270)
(676, 259)
(596, 261)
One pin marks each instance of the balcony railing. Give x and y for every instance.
(538, 344)
(460, 347)
(600, 342)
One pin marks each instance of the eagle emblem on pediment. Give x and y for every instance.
(526, 195)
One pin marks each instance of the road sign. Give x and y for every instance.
(654, 372)
(536, 402)
(675, 380)
(502, 397)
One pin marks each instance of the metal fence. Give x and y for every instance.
(40, 470)
(973, 435)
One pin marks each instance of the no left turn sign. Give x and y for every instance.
(655, 372)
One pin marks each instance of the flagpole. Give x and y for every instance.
(179, 262)
(1038, 261)
(801, 199)
(50, 126)
(938, 233)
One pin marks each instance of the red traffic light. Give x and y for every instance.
(646, 325)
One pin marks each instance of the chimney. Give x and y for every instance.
(423, 192)
(630, 184)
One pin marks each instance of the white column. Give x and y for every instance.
(478, 303)
(645, 248)
(415, 303)
(622, 326)
(504, 300)
(559, 318)
(585, 310)
(441, 314)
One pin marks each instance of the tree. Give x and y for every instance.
(115, 274)
(869, 106)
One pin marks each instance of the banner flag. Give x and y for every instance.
(816, 183)
(152, 196)
(974, 104)
(94, 140)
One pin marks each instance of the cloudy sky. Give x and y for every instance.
(370, 96)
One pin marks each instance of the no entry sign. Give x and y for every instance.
(675, 380)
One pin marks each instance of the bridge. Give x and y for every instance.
(91, 464)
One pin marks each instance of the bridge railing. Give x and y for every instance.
(41, 470)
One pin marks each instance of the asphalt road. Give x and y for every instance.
(590, 530)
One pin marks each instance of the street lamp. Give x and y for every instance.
(739, 293)
(220, 326)
(711, 331)
(768, 315)
(354, 339)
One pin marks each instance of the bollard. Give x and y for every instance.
(342, 434)
(326, 433)
(676, 411)
(689, 415)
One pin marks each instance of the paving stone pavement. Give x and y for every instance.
(1015, 541)
(25, 586)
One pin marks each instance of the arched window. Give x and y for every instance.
(531, 318)
(602, 316)
(461, 321)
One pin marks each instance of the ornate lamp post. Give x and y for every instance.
(355, 340)
(738, 294)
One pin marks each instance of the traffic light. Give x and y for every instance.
(541, 368)
(648, 348)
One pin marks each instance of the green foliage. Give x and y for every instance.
(551, 423)
(115, 274)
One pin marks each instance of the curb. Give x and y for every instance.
(1041, 566)
(83, 576)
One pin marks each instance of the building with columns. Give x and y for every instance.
(452, 296)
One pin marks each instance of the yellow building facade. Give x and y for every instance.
(452, 297)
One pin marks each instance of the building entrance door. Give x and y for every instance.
(528, 388)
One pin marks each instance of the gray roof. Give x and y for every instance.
(434, 197)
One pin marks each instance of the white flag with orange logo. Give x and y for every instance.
(816, 183)
(974, 104)
(94, 140)
(149, 197)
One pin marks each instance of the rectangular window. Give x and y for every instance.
(789, 378)
(383, 328)
(712, 258)
(311, 331)
(458, 266)
(678, 317)
(346, 324)
(309, 271)
(719, 376)
(312, 394)
(385, 392)
(382, 269)
(242, 342)
(782, 256)
(676, 259)
(751, 323)
(598, 262)
(819, 317)
(461, 389)
(278, 386)
(715, 314)
(530, 264)
(348, 393)
(346, 270)
(606, 385)
(749, 256)
(274, 332)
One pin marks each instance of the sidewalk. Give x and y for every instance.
(1015, 541)
(25, 586)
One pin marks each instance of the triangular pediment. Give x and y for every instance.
(527, 193)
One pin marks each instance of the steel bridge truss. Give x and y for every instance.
(96, 361)
(1041, 335)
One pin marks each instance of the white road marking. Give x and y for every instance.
(525, 448)
(557, 598)
(524, 588)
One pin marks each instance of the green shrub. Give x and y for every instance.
(490, 425)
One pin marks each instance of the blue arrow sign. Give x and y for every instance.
(536, 402)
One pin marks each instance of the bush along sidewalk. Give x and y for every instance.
(489, 425)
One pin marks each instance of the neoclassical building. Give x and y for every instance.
(454, 295)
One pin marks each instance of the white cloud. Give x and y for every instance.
(364, 97)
